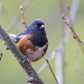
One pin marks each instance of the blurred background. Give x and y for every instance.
(50, 12)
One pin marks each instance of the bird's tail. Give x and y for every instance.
(12, 36)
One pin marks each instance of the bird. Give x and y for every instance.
(32, 42)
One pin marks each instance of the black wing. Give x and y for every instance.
(17, 39)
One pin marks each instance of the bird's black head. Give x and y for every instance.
(37, 30)
(37, 27)
(39, 24)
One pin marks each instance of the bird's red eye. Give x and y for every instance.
(35, 25)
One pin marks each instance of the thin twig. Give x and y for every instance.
(51, 57)
(10, 18)
(66, 33)
(24, 21)
(73, 31)
(14, 22)
(51, 70)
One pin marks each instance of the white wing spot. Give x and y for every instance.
(15, 40)
(28, 50)
(29, 41)
(21, 36)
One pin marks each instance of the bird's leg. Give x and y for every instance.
(26, 58)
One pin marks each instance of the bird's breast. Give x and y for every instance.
(37, 54)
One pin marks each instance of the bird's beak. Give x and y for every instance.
(42, 27)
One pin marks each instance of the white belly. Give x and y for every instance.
(34, 55)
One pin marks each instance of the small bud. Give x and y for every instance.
(1, 54)
(47, 60)
(69, 25)
(21, 8)
(74, 37)
(23, 21)
(63, 15)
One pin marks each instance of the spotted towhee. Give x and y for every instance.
(33, 41)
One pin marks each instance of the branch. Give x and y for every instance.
(19, 56)
(76, 37)
(51, 69)
(63, 42)
(50, 59)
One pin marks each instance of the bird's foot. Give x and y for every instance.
(26, 59)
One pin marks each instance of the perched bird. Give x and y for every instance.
(33, 41)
